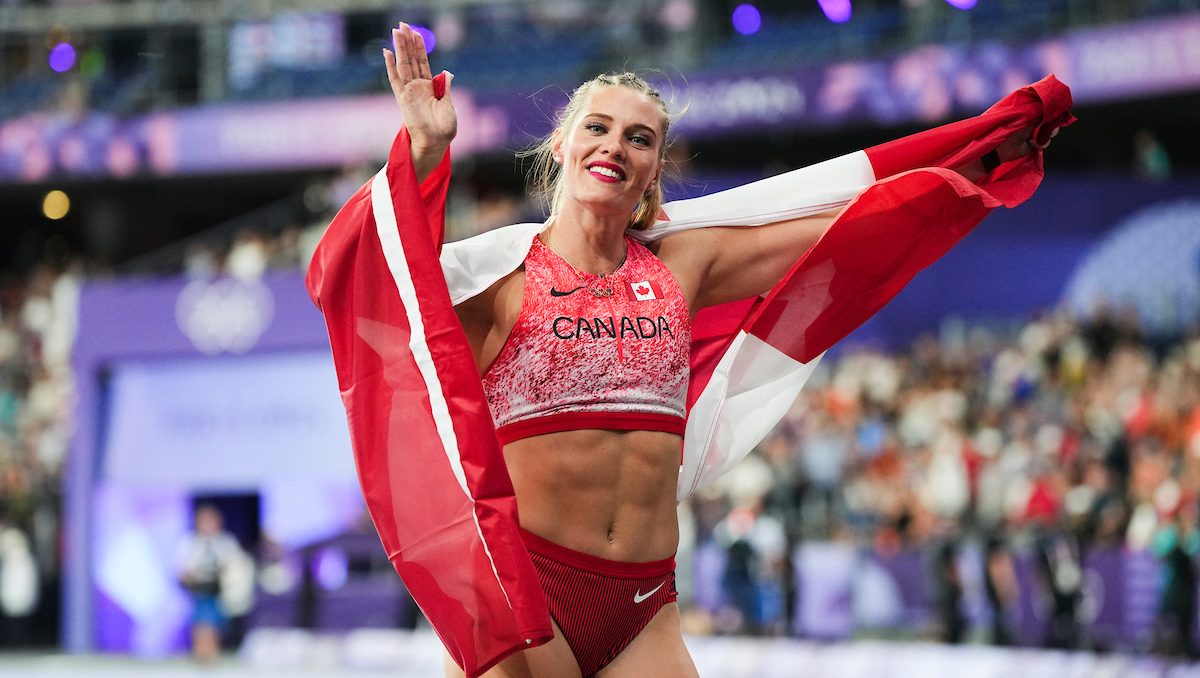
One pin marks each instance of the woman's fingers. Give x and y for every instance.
(422, 57)
(411, 58)
(403, 56)
(389, 64)
(1034, 142)
(415, 51)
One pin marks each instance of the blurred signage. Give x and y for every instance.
(225, 422)
(226, 315)
(1149, 263)
(298, 40)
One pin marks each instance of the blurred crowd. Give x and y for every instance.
(38, 318)
(1052, 441)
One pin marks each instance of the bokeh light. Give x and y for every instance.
(92, 62)
(62, 57)
(428, 36)
(746, 19)
(837, 11)
(55, 205)
(678, 15)
(449, 30)
(961, 4)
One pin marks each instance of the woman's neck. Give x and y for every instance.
(589, 242)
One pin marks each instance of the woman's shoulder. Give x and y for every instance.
(473, 265)
(502, 236)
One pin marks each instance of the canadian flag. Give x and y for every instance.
(644, 291)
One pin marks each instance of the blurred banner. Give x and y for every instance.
(225, 423)
(929, 84)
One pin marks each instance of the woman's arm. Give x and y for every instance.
(722, 264)
(719, 265)
(429, 115)
(432, 123)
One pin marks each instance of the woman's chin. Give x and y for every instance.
(605, 202)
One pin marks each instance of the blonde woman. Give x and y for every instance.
(582, 347)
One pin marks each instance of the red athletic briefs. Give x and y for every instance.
(599, 605)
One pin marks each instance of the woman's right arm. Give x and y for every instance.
(488, 317)
(432, 124)
(429, 116)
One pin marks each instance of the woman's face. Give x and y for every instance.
(611, 151)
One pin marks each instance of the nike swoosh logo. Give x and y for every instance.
(639, 597)
(556, 293)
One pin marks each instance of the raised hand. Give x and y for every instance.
(431, 121)
(1022, 143)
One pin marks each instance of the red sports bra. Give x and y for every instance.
(591, 351)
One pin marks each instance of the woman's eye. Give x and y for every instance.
(595, 127)
(639, 140)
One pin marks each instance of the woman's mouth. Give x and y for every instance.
(606, 172)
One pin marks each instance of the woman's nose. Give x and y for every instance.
(612, 146)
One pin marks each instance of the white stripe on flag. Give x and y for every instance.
(750, 391)
(393, 252)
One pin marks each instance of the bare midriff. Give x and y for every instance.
(609, 494)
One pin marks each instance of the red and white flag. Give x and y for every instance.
(427, 455)
(643, 290)
(424, 444)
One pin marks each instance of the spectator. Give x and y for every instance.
(208, 559)
(18, 587)
(1000, 584)
(1150, 159)
(1176, 544)
(948, 595)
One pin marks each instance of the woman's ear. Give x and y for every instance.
(656, 178)
(556, 144)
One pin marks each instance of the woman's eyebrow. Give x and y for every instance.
(609, 118)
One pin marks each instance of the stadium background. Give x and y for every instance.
(1006, 456)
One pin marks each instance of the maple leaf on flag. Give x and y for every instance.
(644, 290)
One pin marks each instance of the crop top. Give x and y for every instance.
(590, 351)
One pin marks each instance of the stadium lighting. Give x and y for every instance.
(837, 11)
(961, 4)
(55, 205)
(746, 19)
(62, 57)
(428, 36)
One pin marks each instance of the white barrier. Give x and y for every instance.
(408, 654)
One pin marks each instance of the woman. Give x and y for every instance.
(583, 353)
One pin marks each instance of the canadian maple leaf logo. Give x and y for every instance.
(643, 290)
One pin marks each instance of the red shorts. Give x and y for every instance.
(599, 605)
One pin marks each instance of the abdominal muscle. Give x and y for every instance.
(610, 494)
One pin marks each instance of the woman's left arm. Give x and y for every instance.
(721, 264)
(718, 265)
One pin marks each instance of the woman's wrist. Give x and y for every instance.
(425, 147)
(426, 157)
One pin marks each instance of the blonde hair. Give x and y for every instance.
(545, 177)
